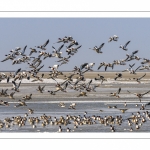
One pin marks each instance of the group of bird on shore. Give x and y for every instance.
(35, 65)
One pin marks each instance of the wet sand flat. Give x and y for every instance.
(94, 74)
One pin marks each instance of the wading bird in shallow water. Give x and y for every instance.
(72, 106)
(61, 104)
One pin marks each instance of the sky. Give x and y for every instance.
(88, 32)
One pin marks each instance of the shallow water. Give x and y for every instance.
(44, 103)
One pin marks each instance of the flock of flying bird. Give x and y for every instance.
(35, 66)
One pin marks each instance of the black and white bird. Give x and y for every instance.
(138, 79)
(23, 51)
(98, 49)
(118, 75)
(113, 38)
(139, 95)
(116, 94)
(16, 86)
(44, 45)
(124, 47)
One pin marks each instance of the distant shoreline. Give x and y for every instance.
(94, 74)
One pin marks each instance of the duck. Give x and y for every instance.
(40, 89)
(82, 94)
(33, 50)
(16, 86)
(124, 47)
(139, 95)
(61, 104)
(4, 103)
(68, 130)
(44, 45)
(11, 95)
(30, 111)
(60, 129)
(118, 75)
(125, 104)
(27, 97)
(123, 110)
(98, 49)
(138, 79)
(116, 94)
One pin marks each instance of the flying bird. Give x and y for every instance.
(124, 47)
(98, 49)
(44, 45)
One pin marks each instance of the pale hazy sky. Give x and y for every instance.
(89, 32)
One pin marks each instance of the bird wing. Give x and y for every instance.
(100, 66)
(101, 45)
(95, 86)
(118, 91)
(31, 53)
(8, 57)
(135, 52)
(83, 65)
(45, 43)
(43, 87)
(128, 91)
(126, 58)
(123, 110)
(71, 44)
(17, 71)
(19, 84)
(23, 51)
(11, 94)
(60, 47)
(106, 68)
(78, 47)
(110, 39)
(71, 75)
(39, 87)
(53, 47)
(8, 79)
(125, 70)
(145, 92)
(131, 65)
(65, 86)
(88, 84)
(126, 43)
(40, 68)
(142, 76)
(137, 68)
(14, 83)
